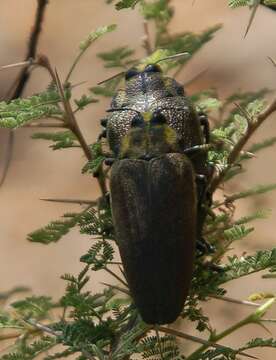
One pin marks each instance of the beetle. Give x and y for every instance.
(150, 179)
(149, 91)
(158, 189)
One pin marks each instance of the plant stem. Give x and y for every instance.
(71, 121)
(73, 201)
(21, 80)
(116, 276)
(250, 319)
(122, 290)
(45, 125)
(195, 339)
(233, 156)
(74, 65)
(235, 301)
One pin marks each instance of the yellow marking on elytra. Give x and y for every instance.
(125, 145)
(147, 116)
(170, 135)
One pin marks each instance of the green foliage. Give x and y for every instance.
(257, 190)
(259, 214)
(93, 165)
(258, 342)
(261, 260)
(262, 145)
(19, 112)
(98, 255)
(95, 35)
(119, 57)
(153, 347)
(54, 231)
(99, 223)
(186, 42)
(61, 139)
(16, 290)
(237, 232)
(106, 90)
(30, 351)
(82, 303)
(124, 4)
(84, 101)
(237, 3)
(161, 13)
(33, 307)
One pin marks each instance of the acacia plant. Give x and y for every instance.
(107, 325)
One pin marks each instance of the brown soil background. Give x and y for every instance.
(37, 172)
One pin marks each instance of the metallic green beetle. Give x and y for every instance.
(156, 138)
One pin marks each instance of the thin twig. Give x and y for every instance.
(235, 301)
(18, 64)
(116, 276)
(252, 15)
(45, 125)
(122, 290)
(8, 156)
(253, 318)
(70, 119)
(234, 154)
(43, 327)
(20, 82)
(76, 130)
(197, 339)
(272, 61)
(74, 127)
(73, 201)
(50, 331)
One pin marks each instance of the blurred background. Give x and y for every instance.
(36, 172)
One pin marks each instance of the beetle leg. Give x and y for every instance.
(109, 161)
(203, 203)
(203, 247)
(201, 181)
(215, 267)
(197, 148)
(104, 122)
(204, 122)
(102, 135)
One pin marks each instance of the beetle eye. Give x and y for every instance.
(137, 121)
(153, 68)
(130, 73)
(158, 118)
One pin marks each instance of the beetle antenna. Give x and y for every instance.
(171, 57)
(175, 56)
(112, 77)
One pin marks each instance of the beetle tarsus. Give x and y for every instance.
(204, 248)
(103, 134)
(109, 161)
(104, 122)
(204, 122)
